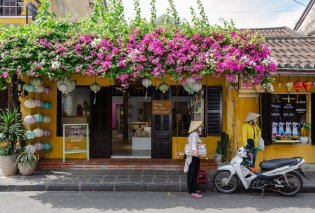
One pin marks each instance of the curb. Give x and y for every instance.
(139, 187)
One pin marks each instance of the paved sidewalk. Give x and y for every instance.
(111, 180)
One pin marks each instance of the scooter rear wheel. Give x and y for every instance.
(295, 184)
(221, 183)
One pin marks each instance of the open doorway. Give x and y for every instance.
(131, 124)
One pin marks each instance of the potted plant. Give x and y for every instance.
(305, 132)
(27, 161)
(12, 137)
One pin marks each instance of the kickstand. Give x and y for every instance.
(262, 192)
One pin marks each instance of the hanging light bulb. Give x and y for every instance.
(164, 87)
(95, 87)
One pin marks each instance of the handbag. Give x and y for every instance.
(250, 144)
(261, 144)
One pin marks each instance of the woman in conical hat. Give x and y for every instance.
(192, 162)
(251, 134)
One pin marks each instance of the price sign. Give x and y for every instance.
(161, 107)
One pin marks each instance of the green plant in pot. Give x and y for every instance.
(305, 132)
(27, 161)
(12, 139)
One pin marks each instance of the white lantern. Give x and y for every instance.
(30, 119)
(29, 103)
(63, 87)
(36, 82)
(46, 119)
(95, 87)
(190, 80)
(146, 82)
(39, 89)
(197, 86)
(71, 85)
(188, 88)
(47, 133)
(47, 90)
(28, 87)
(38, 132)
(30, 148)
(164, 87)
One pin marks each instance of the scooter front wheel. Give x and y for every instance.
(224, 182)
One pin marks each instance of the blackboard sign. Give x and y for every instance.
(287, 106)
(300, 106)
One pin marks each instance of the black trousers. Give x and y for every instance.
(192, 175)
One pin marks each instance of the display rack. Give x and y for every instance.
(198, 106)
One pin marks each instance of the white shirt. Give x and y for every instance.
(194, 140)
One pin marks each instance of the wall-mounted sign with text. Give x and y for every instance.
(161, 107)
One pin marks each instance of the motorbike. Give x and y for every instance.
(281, 175)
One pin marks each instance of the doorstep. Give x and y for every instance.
(114, 163)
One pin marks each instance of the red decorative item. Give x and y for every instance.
(307, 85)
(298, 85)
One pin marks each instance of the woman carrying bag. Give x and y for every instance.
(192, 162)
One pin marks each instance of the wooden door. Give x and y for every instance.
(101, 123)
(161, 141)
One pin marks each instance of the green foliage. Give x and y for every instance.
(12, 132)
(27, 158)
(222, 145)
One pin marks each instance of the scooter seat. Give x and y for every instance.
(276, 163)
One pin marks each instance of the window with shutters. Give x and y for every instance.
(285, 118)
(11, 7)
(214, 110)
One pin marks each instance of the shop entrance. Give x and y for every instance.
(100, 125)
(131, 123)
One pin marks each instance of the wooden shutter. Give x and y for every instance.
(313, 118)
(265, 110)
(214, 110)
(3, 99)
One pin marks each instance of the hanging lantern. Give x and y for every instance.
(164, 87)
(289, 86)
(47, 133)
(259, 88)
(71, 85)
(38, 103)
(36, 82)
(190, 80)
(95, 87)
(188, 88)
(29, 119)
(47, 147)
(39, 89)
(47, 105)
(38, 132)
(30, 135)
(63, 87)
(46, 119)
(314, 84)
(146, 82)
(38, 146)
(28, 87)
(197, 85)
(39, 118)
(298, 85)
(307, 85)
(47, 90)
(29, 103)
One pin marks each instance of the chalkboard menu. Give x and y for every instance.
(275, 110)
(288, 110)
(300, 106)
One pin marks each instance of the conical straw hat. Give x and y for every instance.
(251, 116)
(194, 125)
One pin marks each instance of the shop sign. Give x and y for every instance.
(75, 139)
(161, 107)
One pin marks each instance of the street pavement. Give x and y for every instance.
(111, 180)
(152, 202)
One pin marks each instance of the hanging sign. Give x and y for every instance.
(76, 139)
(161, 107)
